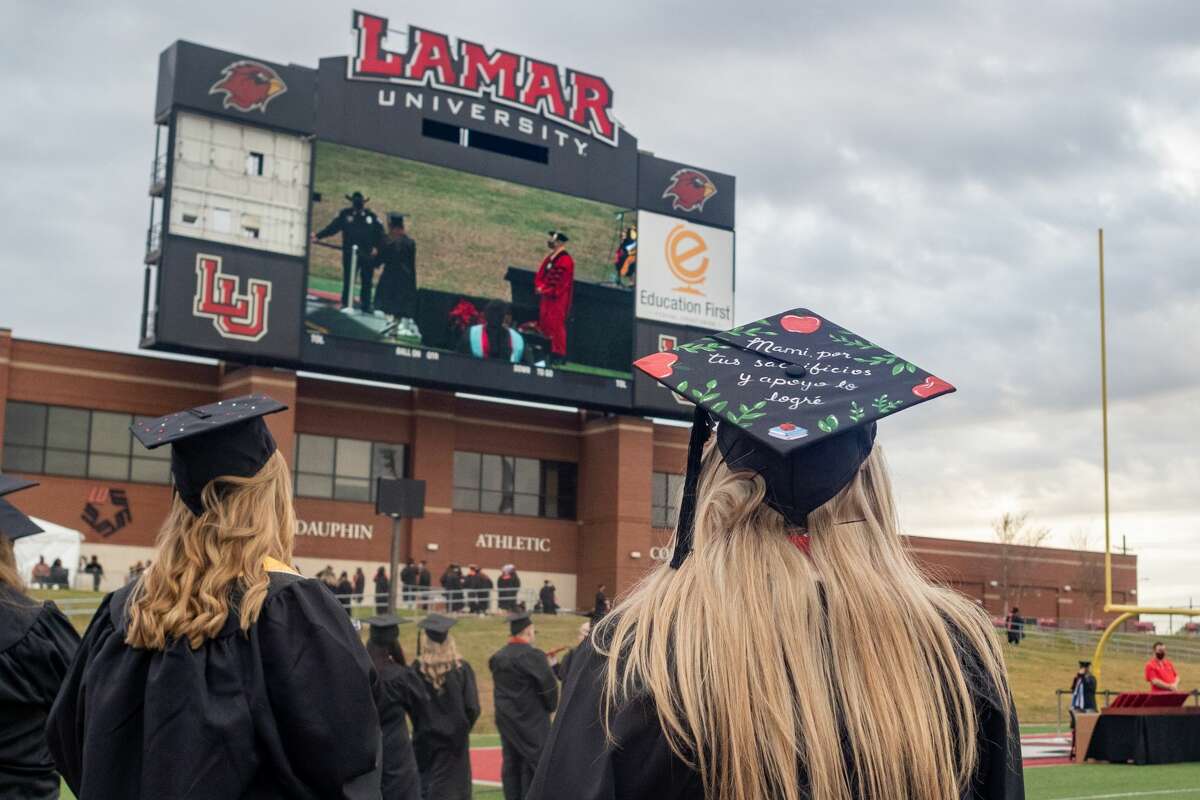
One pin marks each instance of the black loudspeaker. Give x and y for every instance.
(400, 497)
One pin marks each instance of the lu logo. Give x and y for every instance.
(234, 315)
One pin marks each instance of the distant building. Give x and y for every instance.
(578, 498)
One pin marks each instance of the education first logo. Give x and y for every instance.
(685, 272)
(219, 297)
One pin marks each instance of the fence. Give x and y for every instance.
(478, 601)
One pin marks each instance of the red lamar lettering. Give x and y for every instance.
(430, 59)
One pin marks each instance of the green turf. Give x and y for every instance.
(1095, 781)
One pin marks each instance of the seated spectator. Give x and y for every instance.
(41, 573)
(59, 579)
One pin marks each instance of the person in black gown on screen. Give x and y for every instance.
(443, 721)
(400, 691)
(37, 644)
(220, 673)
(791, 648)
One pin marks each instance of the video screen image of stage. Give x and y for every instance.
(471, 277)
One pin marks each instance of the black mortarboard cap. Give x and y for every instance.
(796, 398)
(385, 627)
(559, 236)
(1085, 663)
(14, 523)
(437, 626)
(228, 437)
(355, 196)
(518, 621)
(395, 220)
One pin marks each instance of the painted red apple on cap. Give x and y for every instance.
(795, 324)
(933, 385)
(657, 365)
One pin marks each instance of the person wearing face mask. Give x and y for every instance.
(361, 233)
(555, 286)
(1160, 672)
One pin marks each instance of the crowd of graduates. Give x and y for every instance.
(762, 661)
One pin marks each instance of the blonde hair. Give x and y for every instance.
(202, 561)
(9, 576)
(737, 650)
(437, 659)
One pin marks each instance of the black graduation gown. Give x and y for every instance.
(442, 733)
(285, 710)
(577, 762)
(526, 693)
(399, 693)
(37, 644)
(397, 290)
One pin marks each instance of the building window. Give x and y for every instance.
(665, 490)
(344, 469)
(58, 440)
(494, 484)
(254, 163)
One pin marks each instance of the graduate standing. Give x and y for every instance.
(37, 644)
(554, 284)
(220, 673)
(764, 659)
(399, 693)
(396, 294)
(526, 694)
(443, 721)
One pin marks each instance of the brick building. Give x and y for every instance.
(575, 497)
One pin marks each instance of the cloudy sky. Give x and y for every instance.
(930, 175)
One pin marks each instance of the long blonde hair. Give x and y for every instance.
(777, 675)
(437, 659)
(9, 576)
(202, 561)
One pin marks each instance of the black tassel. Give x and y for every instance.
(701, 428)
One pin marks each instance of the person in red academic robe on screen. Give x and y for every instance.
(555, 285)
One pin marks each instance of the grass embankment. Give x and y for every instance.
(1036, 668)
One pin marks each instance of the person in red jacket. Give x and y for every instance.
(1160, 672)
(555, 285)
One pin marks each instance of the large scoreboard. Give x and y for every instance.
(428, 211)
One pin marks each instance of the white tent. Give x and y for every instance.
(55, 541)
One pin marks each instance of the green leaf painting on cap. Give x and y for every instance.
(708, 394)
(885, 406)
(856, 411)
(746, 415)
(848, 339)
(829, 424)
(702, 347)
(759, 328)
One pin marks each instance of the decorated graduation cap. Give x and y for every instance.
(518, 621)
(437, 626)
(558, 236)
(228, 437)
(796, 398)
(14, 523)
(395, 220)
(385, 628)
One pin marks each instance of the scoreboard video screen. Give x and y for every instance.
(427, 211)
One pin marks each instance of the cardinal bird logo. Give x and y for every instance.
(248, 85)
(689, 190)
